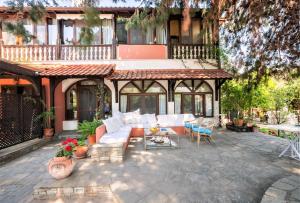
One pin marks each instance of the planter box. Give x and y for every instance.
(239, 128)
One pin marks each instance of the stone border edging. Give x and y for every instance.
(284, 190)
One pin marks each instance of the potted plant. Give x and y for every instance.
(255, 128)
(81, 149)
(62, 165)
(88, 129)
(47, 117)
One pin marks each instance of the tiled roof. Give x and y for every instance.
(75, 70)
(109, 4)
(169, 74)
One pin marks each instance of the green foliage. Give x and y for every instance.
(91, 19)
(145, 19)
(89, 127)
(36, 12)
(270, 95)
(86, 36)
(19, 30)
(47, 117)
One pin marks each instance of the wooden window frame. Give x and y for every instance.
(193, 93)
(143, 93)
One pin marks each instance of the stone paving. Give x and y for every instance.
(239, 167)
(284, 190)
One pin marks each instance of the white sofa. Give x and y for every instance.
(113, 138)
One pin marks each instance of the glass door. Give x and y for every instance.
(150, 104)
(187, 104)
(135, 102)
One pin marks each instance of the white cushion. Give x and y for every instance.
(151, 118)
(131, 117)
(112, 124)
(173, 119)
(116, 137)
(119, 121)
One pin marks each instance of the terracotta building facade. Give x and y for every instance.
(164, 70)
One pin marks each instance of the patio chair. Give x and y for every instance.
(205, 131)
(188, 126)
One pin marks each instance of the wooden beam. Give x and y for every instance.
(16, 69)
(217, 90)
(115, 83)
(171, 89)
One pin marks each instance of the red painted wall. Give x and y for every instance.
(14, 82)
(46, 86)
(59, 103)
(142, 52)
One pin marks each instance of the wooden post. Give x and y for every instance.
(100, 95)
(115, 83)
(52, 93)
(171, 88)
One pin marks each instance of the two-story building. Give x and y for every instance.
(163, 70)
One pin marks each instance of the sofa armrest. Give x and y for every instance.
(100, 131)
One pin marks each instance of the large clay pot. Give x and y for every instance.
(255, 129)
(92, 139)
(239, 122)
(80, 152)
(60, 167)
(48, 132)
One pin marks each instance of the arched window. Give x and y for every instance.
(194, 96)
(147, 95)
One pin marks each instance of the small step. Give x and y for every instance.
(69, 133)
(21, 149)
(86, 181)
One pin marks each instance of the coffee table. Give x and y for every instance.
(168, 135)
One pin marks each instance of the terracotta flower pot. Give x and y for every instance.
(239, 122)
(60, 167)
(48, 132)
(255, 129)
(92, 139)
(81, 152)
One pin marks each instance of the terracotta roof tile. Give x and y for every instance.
(74, 70)
(169, 74)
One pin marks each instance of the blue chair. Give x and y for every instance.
(205, 131)
(189, 125)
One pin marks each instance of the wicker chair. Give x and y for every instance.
(189, 125)
(204, 131)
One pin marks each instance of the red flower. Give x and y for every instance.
(64, 143)
(68, 148)
(74, 141)
(69, 139)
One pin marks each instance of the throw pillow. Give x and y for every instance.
(111, 125)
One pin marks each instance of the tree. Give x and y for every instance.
(35, 12)
(262, 37)
(91, 19)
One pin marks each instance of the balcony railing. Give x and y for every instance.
(193, 51)
(29, 53)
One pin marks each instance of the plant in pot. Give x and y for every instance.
(81, 149)
(62, 165)
(240, 120)
(47, 117)
(255, 128)
(88, 128)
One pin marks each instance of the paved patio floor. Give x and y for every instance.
(239, 167)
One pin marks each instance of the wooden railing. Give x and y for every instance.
(193, 51)
(28, 53)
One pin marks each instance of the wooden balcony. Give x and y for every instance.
(31, 53)
(193, 51)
